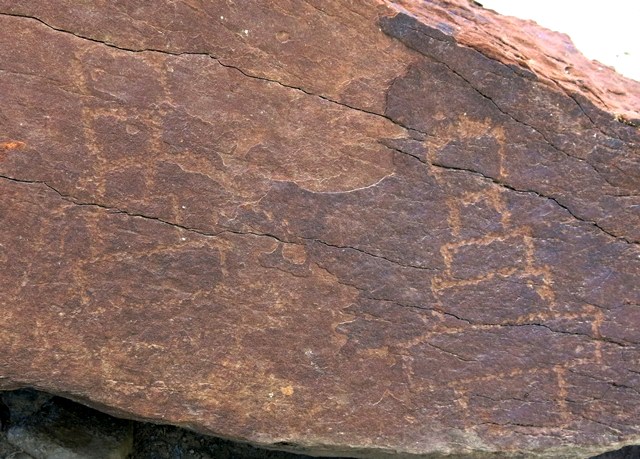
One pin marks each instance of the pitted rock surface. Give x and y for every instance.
(339, 227)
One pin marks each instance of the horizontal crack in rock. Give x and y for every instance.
(403, 265)
(215, 58)
(245, 73)
(116, 210)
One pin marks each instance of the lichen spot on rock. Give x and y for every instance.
(287, 390)
(12, 145)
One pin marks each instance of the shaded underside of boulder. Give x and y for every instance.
(36, 425)
(336, 227)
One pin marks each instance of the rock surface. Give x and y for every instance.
(66, 429)
(337, 227)
(45, 427)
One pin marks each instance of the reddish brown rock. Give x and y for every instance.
(340, 227)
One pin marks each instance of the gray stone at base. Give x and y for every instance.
(64, 431)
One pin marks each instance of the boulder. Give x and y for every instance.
(333, 227)
(46, 427)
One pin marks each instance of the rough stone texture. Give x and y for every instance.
(56, 418)
(330, 226)
(55, 428)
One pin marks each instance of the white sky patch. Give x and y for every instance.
(605, 31)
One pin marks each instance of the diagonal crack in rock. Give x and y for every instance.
(511, 188)
(368, 112)
(116, 210)
(216, 59)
